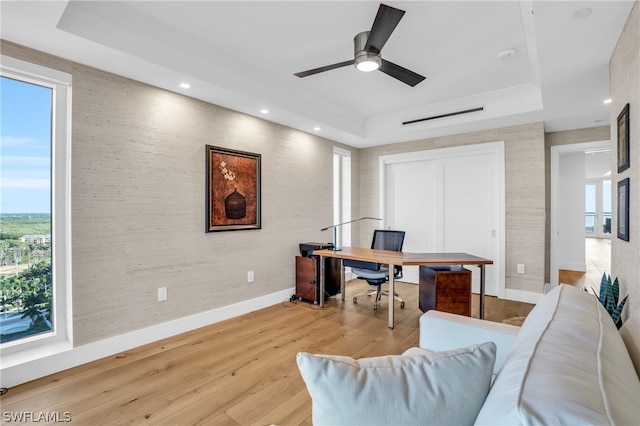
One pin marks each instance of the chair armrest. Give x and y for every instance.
(442, 331)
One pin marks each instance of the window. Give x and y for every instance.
(598, 208)
(34, 228)
(342, 194)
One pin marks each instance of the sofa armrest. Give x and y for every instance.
(442, 331)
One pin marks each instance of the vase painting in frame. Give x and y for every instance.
(233, 190)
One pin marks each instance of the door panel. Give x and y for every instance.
(469, 214)
(408, 183)
(448, 204)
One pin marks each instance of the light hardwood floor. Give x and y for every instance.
(237, 372)
(598, 260)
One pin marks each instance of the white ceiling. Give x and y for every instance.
(242, 55)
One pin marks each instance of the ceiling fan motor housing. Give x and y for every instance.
(364, 60)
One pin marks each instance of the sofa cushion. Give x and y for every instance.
(417, 387)
(630, 333)
(567, 366)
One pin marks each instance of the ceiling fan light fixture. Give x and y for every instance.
(368, 62)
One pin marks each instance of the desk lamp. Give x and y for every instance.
(335, 230)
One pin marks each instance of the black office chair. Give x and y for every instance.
(375, 273)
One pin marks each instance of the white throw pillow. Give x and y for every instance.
(419, 387)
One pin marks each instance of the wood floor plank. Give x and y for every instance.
(294, 411)
(241, 371)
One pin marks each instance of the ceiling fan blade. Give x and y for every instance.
(386, 21)
(323, 69)
(404, 75)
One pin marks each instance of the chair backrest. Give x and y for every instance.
(385, 239)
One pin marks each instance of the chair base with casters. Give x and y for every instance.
(376, 278)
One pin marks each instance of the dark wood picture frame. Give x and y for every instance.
(623, 209)
(233, 190)
(623, 139)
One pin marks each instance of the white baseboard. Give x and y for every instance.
(522, 296)
(580, 267)
(50, 363)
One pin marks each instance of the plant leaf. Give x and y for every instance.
(616, 291)
(609, 304)
(615, 315)
(604, 284)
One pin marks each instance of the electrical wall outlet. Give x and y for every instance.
(162, 294)
(250, 277)
(520, 268)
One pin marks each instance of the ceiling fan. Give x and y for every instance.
(367, 47)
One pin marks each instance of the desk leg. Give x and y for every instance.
(481, 305)
(391, 294)
(342, 279)
(321, 301)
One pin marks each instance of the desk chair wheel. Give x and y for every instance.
(375, 304)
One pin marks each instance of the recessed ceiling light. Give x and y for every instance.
(607, 101)
(507, 54)
(581, 13)
(185, 85)
(317, 129)
(264, 111)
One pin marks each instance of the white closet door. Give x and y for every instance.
(469, 216)
(447, 204)
(407, 185)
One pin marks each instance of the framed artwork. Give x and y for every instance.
(623, 139)
(233, 190)
(623, 209)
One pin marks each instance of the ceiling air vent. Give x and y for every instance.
(449, 114)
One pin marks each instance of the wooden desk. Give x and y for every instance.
(393, 258)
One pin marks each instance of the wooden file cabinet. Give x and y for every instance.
(308, 278)
(446, 289)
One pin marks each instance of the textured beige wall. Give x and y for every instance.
(525, 193)
(138, 203)
(624, 74)
(567, 137)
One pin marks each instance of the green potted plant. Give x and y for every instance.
(608, 297)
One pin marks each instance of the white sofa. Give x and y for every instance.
(566, 365)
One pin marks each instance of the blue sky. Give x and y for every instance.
(25, 147)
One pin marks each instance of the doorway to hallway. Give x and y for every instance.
(580, 206)
(598, 261)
